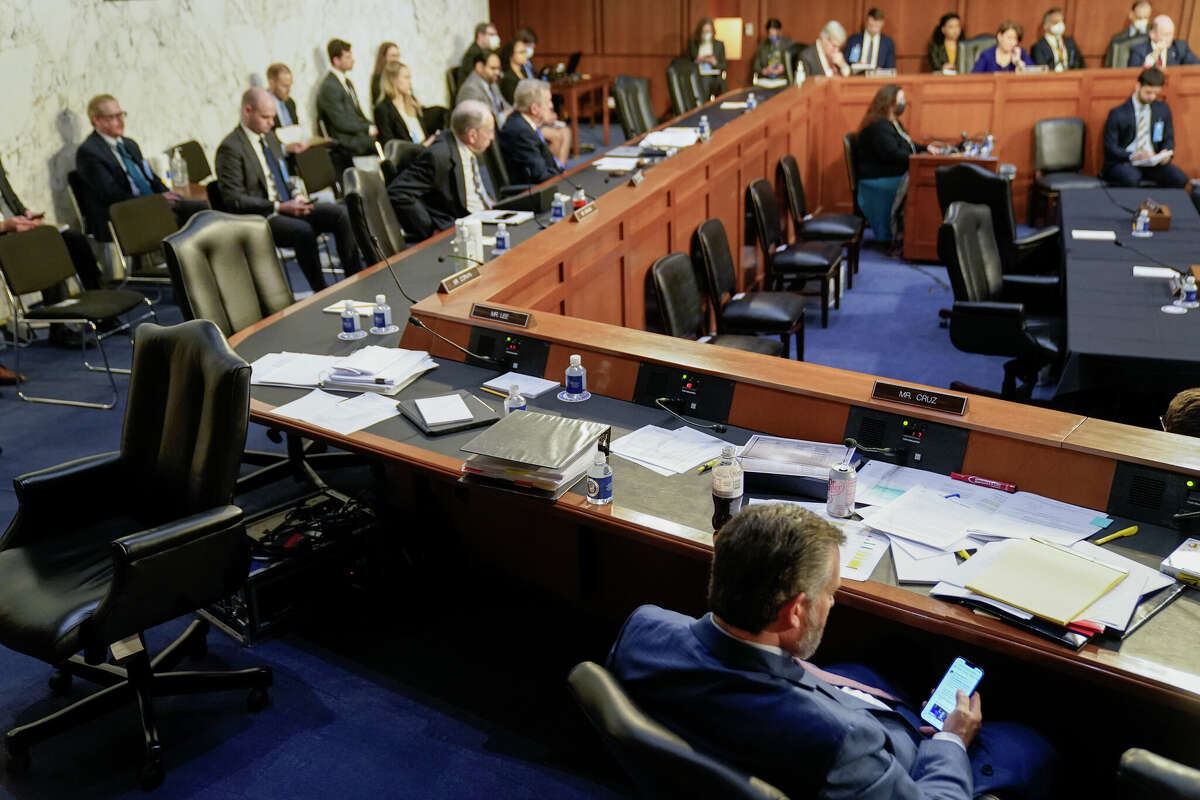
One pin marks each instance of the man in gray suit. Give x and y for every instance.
(338, 106)
(483, 85)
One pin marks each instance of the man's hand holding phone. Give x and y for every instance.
(965, 719)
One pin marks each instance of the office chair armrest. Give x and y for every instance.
(988, 328)
(54, 498)
(1040, 251)
(1145, 774)
(1038, 237)
(153, 542)
(1041, 293)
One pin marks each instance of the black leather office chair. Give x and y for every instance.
(632, 97)
(497, 168)
(315, 167)
(107, 547)
(993, 313)
(969, 51)
(684, 86)
(790, 264)
(36, 260)
(849, 142)
(1143, 774)
(434, 119)
(138, 226)
(660, 764)
(1041, 252)
(1057, 160)
(1117, 54)
(194, 156)
(453, 81)
(397, 155)
(777, 313)
(682, 307)
(845, 229)
(372, 215)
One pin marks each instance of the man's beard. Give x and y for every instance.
(812, 637)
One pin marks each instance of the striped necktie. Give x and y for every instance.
(1142, 142)
(480, 188)
(133, 169)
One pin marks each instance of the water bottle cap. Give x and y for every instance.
(380, 300)
(727, 451)
(514, 389)
(347, 305)
(598, 458)
(576, 360)
(500, 226)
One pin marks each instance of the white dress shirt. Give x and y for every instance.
(471, 196)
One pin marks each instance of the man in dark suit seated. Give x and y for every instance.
(1135, 132)
(1163, 50)
(525, 150)
(735, 684)
(487, 39)
(445, 182)
(825, 57)
(1056, 50)
(113, 168)
(483, 85)
(254, 180)
(871, 48)
(338, 106)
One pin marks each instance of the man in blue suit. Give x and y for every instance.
(1163, 50)
(870, 48)
(734, 683)
(525, 151)
(1135, 132)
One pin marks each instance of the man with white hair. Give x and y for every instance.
(825, 57)
(1163, 49)
(445, 181)
(525, 150)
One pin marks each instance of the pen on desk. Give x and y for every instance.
(492, 391)
(975, 480)
(1130, 531)
(706, 466)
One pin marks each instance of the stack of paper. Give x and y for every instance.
(343, 415)
(534, 451)
(779, 456)
(668, 452)
(301, 370)
(385, 370)
(615, 164)
(528, 385)
(671, 137)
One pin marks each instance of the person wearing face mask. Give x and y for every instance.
(1007, 55)
(487, 39)
(708, 52)
(1139, 21)
(943, 45)
(881, 158)
(1056, 50)
(1163, 50)
(769, 59)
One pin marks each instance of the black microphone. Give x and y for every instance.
(879, 451)
(1113, 200)
(1146, 256)
(442, 259)
(380, 256)
(661, 401)
(416, 323)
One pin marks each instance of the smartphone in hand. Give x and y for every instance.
(961, 675)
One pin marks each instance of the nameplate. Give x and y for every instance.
(458, 280)
(494, 314)
(923, 398)
(637, 177)
(1034, 68)
(584, 212)
(882, 72)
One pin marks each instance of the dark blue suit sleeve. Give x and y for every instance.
(1186, 56)
(406, 192)
(1114, 151)
(887, 53)
(1168, 140)
(523, 152)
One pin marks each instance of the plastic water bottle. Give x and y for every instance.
(558, 208)
(579, 200)
(381, 317)
(1141, 225)
(726, 488)
(179, 170)
(351, 329)
(576, 380)
(515, 400)
(1188, 298)
(599, 481)
(751, 102)
(459, 244)
(705, 128)
(989, 146)
(502, 240)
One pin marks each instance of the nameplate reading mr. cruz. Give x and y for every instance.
(916, 396)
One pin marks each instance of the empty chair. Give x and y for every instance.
(632, 97)
(1117, 54)
(315, 168)
(845, 229)
(969, 51)
(1142, 774)
(1057, 160)
(849, 141)
(397, 155)
(684, 86)
(376, 229)
(682, 307)
(990, 314)
(1039, 252)
(453, 81)
(138, 226)
(786, 264)
(778, 313)
(197, 162)
(660, 764)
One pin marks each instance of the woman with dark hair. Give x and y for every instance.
(709, 54)
(387, 52)
(943, 46)
(514, 55)
(1007, 55)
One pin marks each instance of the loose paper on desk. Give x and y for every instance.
(528, 385)
(668, 452)
(343, 415)
(879, 483)
(925, 517)
(365, 308)
(440, 410)
(1116, 607)
(1093, 236)
(790, 456)
(615, 164)
(492, 216)
(862, 550)
(731, 105)
(300, 370)
(922, 570)
(671, 137)
(1140, 271)
(385, 370)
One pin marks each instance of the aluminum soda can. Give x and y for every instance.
(840, 500)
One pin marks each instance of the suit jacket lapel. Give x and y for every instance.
(251, 158)
(458, 170)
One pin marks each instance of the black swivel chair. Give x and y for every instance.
(453, 81)
(849, 142)
(397, 155)
(994, 313)
(194, 156)
(1144, 774)
(107, 547)
(660, 764)
(789, 264)
(969, 51)
(1040, 252)
(497, 168)
(372, 218)
(632, 97)
(778, 313)
(684, 86)
(683, 311)
(845, 229)
(1117, 54)
(1057, 160)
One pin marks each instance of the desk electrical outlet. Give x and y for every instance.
(522, 354)
(699, 395)
(919, 443)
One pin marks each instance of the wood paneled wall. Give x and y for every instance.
(639, 38)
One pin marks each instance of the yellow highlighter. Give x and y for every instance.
(1130, 531)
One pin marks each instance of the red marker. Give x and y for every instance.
(975, 480)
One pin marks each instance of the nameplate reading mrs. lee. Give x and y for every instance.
(493, 314)
(458, 280)
(924, 398)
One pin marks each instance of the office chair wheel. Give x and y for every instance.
(60, 683)
(19, 761)
(151, 773)
(257, 700)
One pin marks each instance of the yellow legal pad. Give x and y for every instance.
(1046, 580)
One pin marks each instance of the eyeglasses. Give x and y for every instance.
(1161, 423)
(118, 115)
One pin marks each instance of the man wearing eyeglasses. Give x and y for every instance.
(114, 169)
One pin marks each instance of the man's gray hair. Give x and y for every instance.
(528, 92)
(469, 115)
(834, 31)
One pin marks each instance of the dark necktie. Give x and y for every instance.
(281, 185)
(141, 186)
(869, 58)
(353, 96)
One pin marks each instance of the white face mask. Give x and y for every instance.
(493, 42)
(706, 36)
(1141, 25)
(529, 51)
(1058, 29)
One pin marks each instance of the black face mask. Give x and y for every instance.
(900, 108)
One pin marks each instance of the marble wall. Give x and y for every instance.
(179, 67)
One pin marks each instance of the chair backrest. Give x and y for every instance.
(371, 214)
(224, 269)
(497, 167)
(632, 96)
(452, 82)
(1117, 54)
(660, 763)
(710, 246)
(397, 155)
(197, 162)
(969, 51)
(679, 297)
(434, 118)
(683, 85)
(140, 223)
(787, 178)
(760, 199)
(315, 168)
(77, 189)
(1142, 773)
(967, 246)
(1058, 144)
(34, 260)
(849, 142)
(974, 184)
(216, 200)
